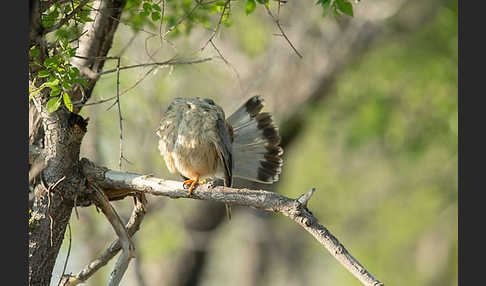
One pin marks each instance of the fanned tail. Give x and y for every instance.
(256, 151)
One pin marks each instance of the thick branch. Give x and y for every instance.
(118, 184)
(132, 226)
(128, 248)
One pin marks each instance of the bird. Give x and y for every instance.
(197, 141)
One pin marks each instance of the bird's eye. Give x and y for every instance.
(209, 101)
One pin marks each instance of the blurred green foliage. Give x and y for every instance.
(250, 32)
(381, 150)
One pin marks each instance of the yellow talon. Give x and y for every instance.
(193, 184)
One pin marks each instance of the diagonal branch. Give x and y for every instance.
(277, 22)
(215, 31)
(132, 226)
(128, 253)
(116, 185)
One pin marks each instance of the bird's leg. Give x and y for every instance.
(192, 182)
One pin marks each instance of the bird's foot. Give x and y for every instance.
(192, 185)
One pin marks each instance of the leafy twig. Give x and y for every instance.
(215, 31)
(277, 21)
(67, 18)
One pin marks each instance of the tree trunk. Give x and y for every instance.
(60, 133)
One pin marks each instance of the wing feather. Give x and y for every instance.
(224, 150)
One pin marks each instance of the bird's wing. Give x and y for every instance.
(223, 146)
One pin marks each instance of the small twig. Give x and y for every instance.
(162, 15)
(67, 256)
(124, 91)
(123, 50)
(96, 58)
(277, 21)
(75, 206)
(170, 62)
(198, 3)
(215, 31)
(145, 46)
(165, 63)
(227, 63)
(119, 111)
(306, 197)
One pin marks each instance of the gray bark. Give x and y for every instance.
(117, 184)
(60, 134)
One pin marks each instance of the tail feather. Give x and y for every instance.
(256, 150)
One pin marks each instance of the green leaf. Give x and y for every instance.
(55, 91)
(49, 62)
(250, 6)
(323, 2)
(84, 16)
(263, 2)
(335, 11)
(67, 85)
(71, 52)
(345, 6)
(155, 16)
(61, 70)
(228, 23)
(34, 51)
(67, 101)
(52, 82)
(147, 7)
(36, 91)
(53, 104)
(43, 73)
(31, 86)
(326, 6)
(82, 81)
(73, 72)
(156, 7)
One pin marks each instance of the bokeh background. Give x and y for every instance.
(368, 117)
